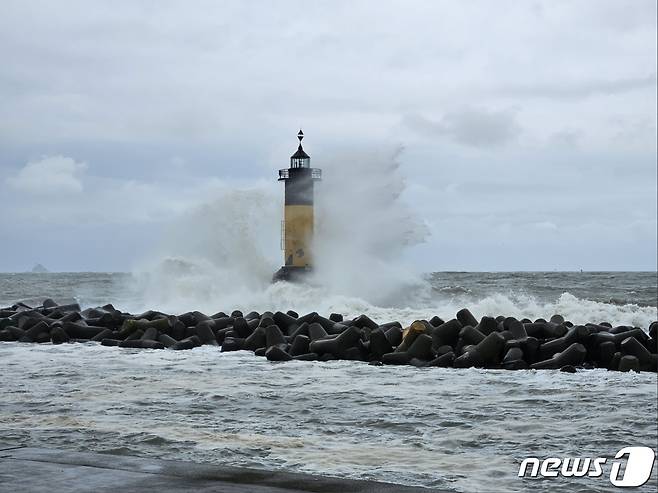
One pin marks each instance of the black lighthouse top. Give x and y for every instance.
(300, 159)
(300, 164)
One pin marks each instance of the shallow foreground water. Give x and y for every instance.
(462, 430)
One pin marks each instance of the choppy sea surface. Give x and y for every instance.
(458, 430)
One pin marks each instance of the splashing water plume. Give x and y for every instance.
(364, 226)
(223, 253)
(215, 254)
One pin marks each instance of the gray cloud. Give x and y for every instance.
(470, 126)
(578, 89)
(514, 116)
(566, 138)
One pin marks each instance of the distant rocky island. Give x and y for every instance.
(39, 269)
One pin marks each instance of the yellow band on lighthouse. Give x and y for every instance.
(298, 230)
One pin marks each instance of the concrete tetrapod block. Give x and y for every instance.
(410, 334)
(242, 328)
(652, 345)
(168, 341)
(32, 333)
(632, 347)
(365, 321)
(204, 331)
(141, 344)
(529, 346)
(316, 331)
(601, 337)
(187, 343)
(104, 334)
(446, 333)
(379, 344)
(577, 333)
(151, 334)
(553, 331)
(309, 318)
(574, 355)
(336, 345)
(513, 359)
(470, 335)
(605, 352)
(298, 330)
(629, 363)
(614, 362)
(274, 337)
(513, 354)
(130, 326)
(283, 320)
(487, 325)
(300, 345)
(232, 344)
(275, 353)
(394, 336)
(653, 330)
(517, 329)
(256, 340)
(535, 329)
(465, 317)
(306, 357)
(110, 342)
(485, 354)
(58, 335)
(446, 360)
(420, 349)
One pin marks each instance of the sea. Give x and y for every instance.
(453, 430)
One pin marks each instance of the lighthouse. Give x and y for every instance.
(298, 216)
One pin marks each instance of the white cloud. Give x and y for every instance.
(53, 174)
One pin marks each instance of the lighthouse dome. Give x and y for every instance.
(300, 159)
(300, 154)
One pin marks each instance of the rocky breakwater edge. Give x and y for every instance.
(461, 342)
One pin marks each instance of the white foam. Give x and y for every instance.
(199, 288)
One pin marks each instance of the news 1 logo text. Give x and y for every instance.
(638, 462)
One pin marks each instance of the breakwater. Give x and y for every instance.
(459, 342)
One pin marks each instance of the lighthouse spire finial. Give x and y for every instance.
(300, 136)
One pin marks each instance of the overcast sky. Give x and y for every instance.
(527, 128)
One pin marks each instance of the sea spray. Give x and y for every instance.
(364, 226)
(224, 252)
(216, 254)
